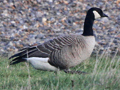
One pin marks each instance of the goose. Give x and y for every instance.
(62, 52)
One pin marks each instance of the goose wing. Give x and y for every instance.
(43, 50)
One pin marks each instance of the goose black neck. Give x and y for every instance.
(88, 24)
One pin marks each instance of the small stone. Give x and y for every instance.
(50, 1)
(65, 2)
(13, 22)
(118, 35)
(44, 19)
(5, 13)
(63, 19)
(25, 27)
(37, 25)
(10, 43)
(118, 2)
(105, 20)
(40, 36)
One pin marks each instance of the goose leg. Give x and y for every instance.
(74, 72)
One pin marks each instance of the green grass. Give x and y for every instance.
(103, 74)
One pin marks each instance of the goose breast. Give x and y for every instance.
(73, 54)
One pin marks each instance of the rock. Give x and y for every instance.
(5, 13)
(40, 36)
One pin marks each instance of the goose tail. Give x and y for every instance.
(15, 61)
(20, 57)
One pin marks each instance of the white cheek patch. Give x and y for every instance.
(96, 14)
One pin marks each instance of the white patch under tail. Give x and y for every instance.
(96, 14)
(41, 63)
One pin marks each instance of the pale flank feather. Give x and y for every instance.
(41, 63)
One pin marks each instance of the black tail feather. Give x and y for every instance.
(15, 61)
(27, 52)
(20, 57)
(18, 54)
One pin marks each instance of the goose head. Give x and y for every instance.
(95, 13)
(92, 14)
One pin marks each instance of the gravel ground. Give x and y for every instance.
(31, 22)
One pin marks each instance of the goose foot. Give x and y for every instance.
(75, 72)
